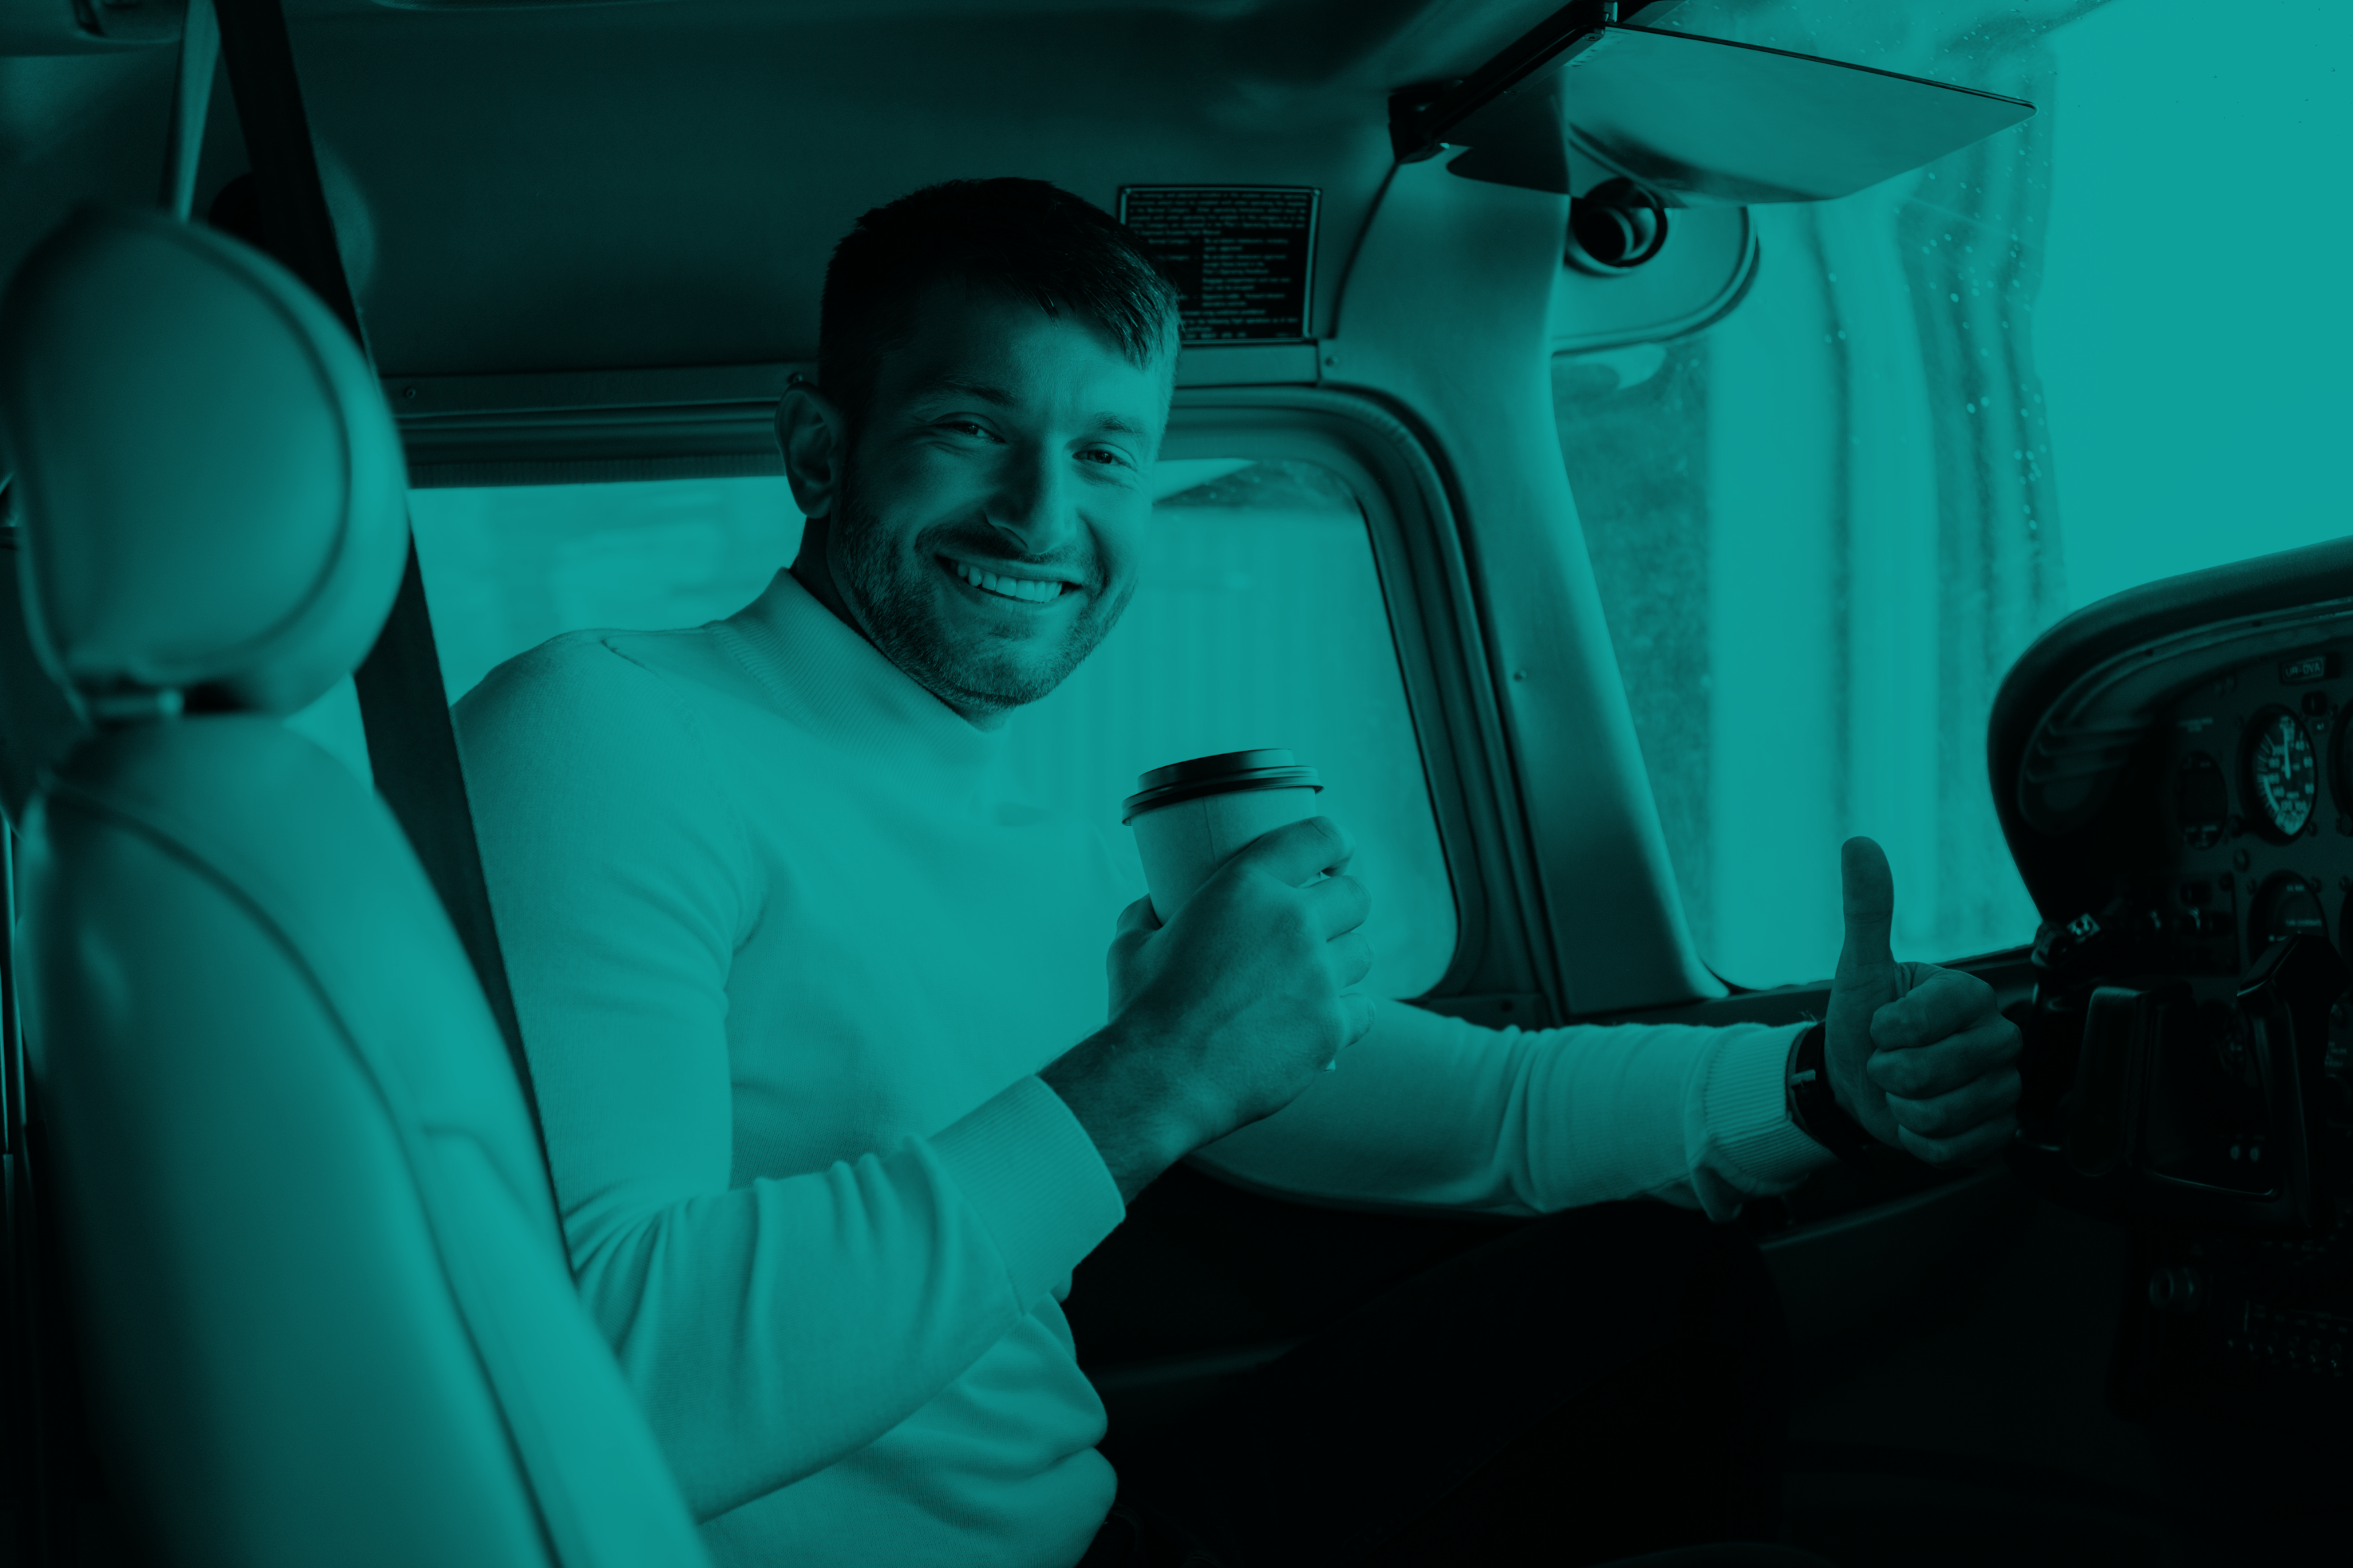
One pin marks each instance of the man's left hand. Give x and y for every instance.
(1920, 1056)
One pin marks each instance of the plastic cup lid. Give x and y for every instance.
(1268, 768)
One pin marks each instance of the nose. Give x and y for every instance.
(1034, 506)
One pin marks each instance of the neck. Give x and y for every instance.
(813, 570)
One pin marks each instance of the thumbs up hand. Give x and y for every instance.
(1921, 1056)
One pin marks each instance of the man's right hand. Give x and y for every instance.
(1229, 1012)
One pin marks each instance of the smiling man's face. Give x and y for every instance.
(986, 526)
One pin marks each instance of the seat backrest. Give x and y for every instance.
(37, 724)
(322, 1300)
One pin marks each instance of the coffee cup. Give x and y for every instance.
(1190, 817)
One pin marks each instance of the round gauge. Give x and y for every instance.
(2340, 761)
(2283, 775)
(2287, 907)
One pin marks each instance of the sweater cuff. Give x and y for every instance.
(1024, 1162)
(1747, 1110)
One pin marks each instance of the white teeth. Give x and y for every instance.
(1033, 590)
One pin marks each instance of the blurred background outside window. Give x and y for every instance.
(1259, 621)
(2102, 348)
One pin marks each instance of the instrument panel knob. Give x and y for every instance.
(2176, 1288)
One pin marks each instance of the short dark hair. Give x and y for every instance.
(1024, 238)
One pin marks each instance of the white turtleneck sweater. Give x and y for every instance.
(789, 949)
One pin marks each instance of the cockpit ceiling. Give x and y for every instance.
(561, 186)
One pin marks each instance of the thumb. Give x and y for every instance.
(1869, 890)
(1867, 980)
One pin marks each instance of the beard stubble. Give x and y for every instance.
(894, 589)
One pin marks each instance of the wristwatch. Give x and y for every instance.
(1815, 1109)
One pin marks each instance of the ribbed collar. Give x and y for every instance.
(838, 685)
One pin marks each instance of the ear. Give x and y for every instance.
(815, 440)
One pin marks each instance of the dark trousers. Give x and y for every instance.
(1594, 1384)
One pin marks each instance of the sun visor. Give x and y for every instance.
(1699, 120)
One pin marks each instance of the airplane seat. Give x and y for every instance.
(321, 1303)
(37, 723)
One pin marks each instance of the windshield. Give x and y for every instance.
(2098, 349)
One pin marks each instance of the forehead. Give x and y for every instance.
(968, 341)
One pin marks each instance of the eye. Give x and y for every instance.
(1105, 457)
(963, 427)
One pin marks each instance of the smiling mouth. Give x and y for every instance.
(998, 585)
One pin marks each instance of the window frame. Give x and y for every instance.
(1498, 973)
(717, 422)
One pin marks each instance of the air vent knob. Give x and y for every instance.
(2176, 1288)
(1615, 228)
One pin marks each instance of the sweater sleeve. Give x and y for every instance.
(772, 1328)
(1431, 1111)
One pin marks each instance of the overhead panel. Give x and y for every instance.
(1699, 120)
(627, 186)
(1243, 256)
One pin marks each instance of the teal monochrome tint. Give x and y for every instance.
(2195, 324)
(1259, 621)
(2099, 349)
(508, 568)
(318, 1298)
(791, 956)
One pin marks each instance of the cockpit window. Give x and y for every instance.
(1952, 408)
(508, 567)
(1259, 621)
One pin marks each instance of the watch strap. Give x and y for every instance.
(1815, 1109)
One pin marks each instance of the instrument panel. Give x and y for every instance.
(2254, 797)
(2246, 817)
(2190, 1059)
(2173, 771)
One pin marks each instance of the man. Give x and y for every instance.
(834, 1104)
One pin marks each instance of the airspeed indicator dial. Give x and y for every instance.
(2283, 776)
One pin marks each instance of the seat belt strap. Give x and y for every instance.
(192, 99)
(405, 707)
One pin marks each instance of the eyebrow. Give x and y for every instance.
(950, 385)
(963, 385)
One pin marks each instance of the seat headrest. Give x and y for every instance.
(214, 494)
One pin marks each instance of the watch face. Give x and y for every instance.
(1815, 1104)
